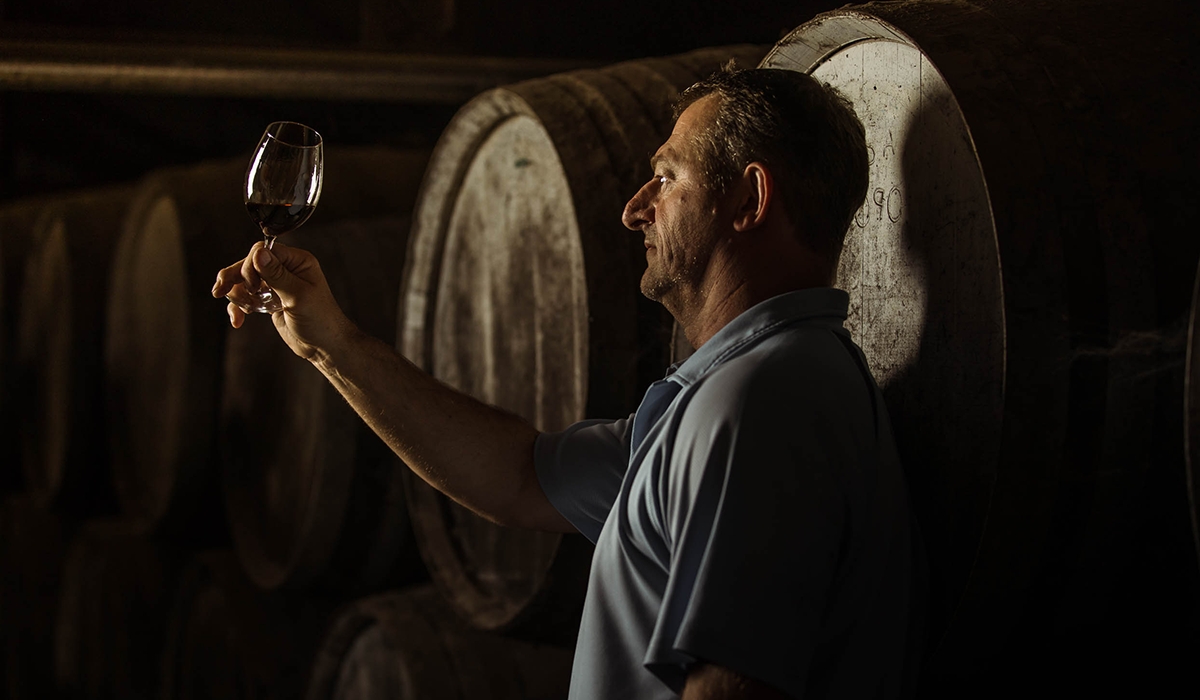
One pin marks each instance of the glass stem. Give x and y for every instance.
(263, 287)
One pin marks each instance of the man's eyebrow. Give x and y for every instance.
(664, 157)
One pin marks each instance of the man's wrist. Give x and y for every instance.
(341, 344)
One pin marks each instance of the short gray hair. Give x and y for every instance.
(804, 131)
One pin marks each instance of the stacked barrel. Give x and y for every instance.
(1020, 279)
(194, 512)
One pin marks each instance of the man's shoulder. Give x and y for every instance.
(796, 356)
(781, 378)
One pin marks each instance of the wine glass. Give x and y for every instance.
(283, 185)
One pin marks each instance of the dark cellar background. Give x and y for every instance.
(60, 137)
(69, 139)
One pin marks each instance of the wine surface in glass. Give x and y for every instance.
(278, 219)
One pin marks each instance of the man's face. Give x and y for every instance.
(676, 211)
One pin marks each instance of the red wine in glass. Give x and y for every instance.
(277, 219)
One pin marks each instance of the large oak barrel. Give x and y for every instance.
(1191, 414)
(59, 346)
(33, 543)
(166, 335)
(17, 222)
(409, 644)
(112, 612)
(162, 363)
(314, 497)
(1018, 275)
(229, 640)
(522, 290)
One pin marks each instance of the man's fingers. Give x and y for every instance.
(238, 295)
(241, 272)
(227, 278)
(236, 316)
(271, 266)
(249, 274)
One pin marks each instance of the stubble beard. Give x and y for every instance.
(654, 284)
(665, 280)
(672, 275)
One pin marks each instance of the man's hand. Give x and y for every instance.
(311, 320)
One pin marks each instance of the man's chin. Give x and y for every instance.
(653, 287)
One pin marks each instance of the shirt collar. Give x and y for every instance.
(820, 306)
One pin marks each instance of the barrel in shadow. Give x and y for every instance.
(165, 353)
(59, 343)
(522, 289)
(1010, 286)
(410, 644)
(112, 612)
(1192, 413)
(229, 640)
(33, 544)
(17, 222)
(315, 499)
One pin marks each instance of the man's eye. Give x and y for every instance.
(662, 179)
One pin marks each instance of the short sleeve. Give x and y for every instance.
(581, 468)
(755, 525)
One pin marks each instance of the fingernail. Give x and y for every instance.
(229, 313)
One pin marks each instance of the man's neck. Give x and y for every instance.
(729, 289)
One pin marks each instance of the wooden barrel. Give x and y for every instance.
(1017, 274)
(166, 335)
(314, 497)
(17, 221)
(229, 640)
(59, 346)
(410, 644)
(522, 290)
(33, 543)
(1191, 415)
(112, 612)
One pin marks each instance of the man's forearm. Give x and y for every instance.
(479, 455)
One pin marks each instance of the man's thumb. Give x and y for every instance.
(273, 271)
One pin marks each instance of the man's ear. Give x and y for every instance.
(756, 195)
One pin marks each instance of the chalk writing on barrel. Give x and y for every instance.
(889, 202)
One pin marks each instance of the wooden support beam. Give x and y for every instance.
(261, 73)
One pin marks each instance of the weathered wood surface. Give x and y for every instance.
(112, 616)
(1191, 416)
(229, 640)
(522, 290)
(59, 344)
(33, 545)
(1019, 275)
(17, 221)
(163, 354)
(410, 644)
(181, 69)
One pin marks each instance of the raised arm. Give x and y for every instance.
(479, 455)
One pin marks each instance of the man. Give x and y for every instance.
(753, 536)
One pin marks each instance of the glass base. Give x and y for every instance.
(262, 302)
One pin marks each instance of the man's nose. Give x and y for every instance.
(639, 211)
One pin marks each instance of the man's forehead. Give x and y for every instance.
(689, 126)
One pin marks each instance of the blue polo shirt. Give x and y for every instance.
(752, 514)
